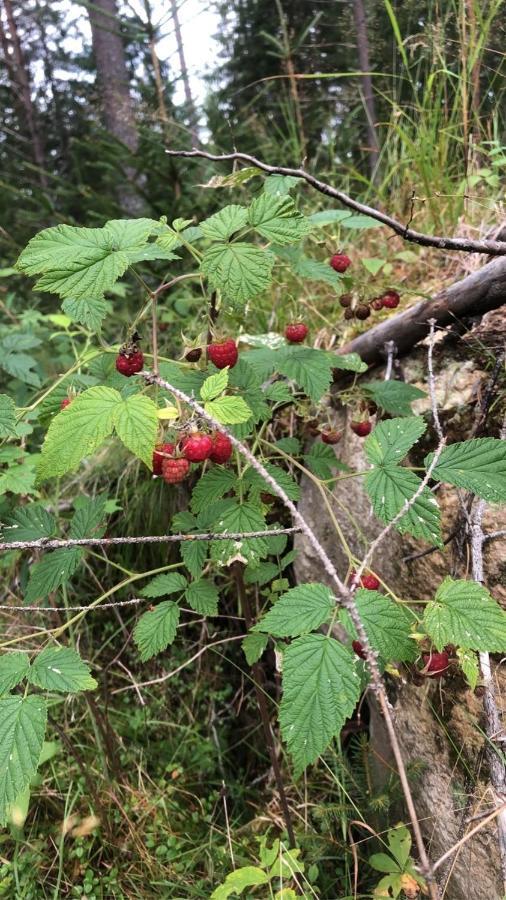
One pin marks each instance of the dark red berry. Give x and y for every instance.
(436, 664)
(361, 428)
(65, 402)
(340, 262)
(267, 498)
(345, 300)
(349, 314)
(129, 362)
(377, 303)
(370, 582)
(222, 448)
(331, 437)
(197, 447)
(160, 453)
(296, 332)
(362, 311)
(359, 650)
(175, 470)
(223, 354)
(390, 299)
(194, 355)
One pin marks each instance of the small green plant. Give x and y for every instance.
(401, 878)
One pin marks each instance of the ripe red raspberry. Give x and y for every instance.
(175, 470)
(370, 582)
(340, 262)
(296, 332)
(65, 402)
(390, 299)
(331, 437)
(359, 650)
(129, 362)
(223, 354)
(436, 664)
(361, 428)
(222, 448)
(160, 453)
(197, 447)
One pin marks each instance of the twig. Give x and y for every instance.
(57, 543)
(466, 245)
(63, 609)
(431, 380)
(348, 602)
(496, 812)
(494, 535)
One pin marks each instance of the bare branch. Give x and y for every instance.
(57, 543)
(432, 381)
(492, 248)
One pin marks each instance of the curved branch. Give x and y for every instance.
(465, 245)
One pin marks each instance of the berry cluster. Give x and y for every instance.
(362, 309)
(172, 461)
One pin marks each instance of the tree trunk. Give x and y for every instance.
(184, 75)
(359, 16)
(20, 82)
(112, 76)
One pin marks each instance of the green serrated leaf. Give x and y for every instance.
(88, 519)
(88, 312)
(478, 465)
(310, 369)
(14, 667)
(394, 397)
(468, 662)
(320, 690)
(301, 610)
(20, 365)
(29, 523)
(373, 265)
(351, 362)
(253, 646)
(387, 626)
(228, 410)
(389, 487)
(225, 222)
(53, 570)
(22, 729)
(83, 263)
(464, 613)
(240, 271)
(156, 629)
(389, 442)
(239, 518)
(278, 219)
(329, 216)
(214, 385)
(202, 596)
(279, 185)
(61, 669)
(254, 482)
(212, 486)
(312, 269)
(136, 423)
(165, 584)
(19, 479)
(78, 430)
(194, 555)
(322, 461)
(235, 882)
(7, 417)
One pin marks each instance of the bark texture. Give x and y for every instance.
(359, 15)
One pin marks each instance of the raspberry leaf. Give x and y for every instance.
(22, 729)
(388, 444)
(88, 519)
(468, 662)
(389, 487)
(320, 690)
(239, 518)
(29, 523)
(464, 613)
(61, 669)
(214, 385)
(225, 222)
(136, 423)
(7, 417)
(278, 219)
(256, 484)
(156, 629)
(301, 610)
(253, 646)
(53, 570)
(240, 270)
(478, 465)
(310, 369)
(217, 482)
(165, 584)
(322, 460)
(83, 263)
(312, 269)
(394, 397)
(202, 596)
(229, 410)
(387, 625)
(86, 311)
(13, 668)
(194, 555)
